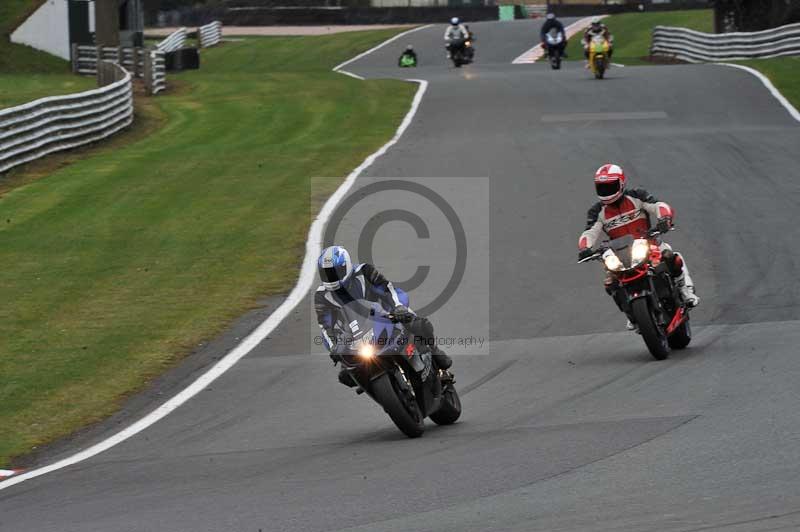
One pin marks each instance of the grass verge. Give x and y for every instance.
(783, 72)
(27, 74)
(116, 266)
(632, 32)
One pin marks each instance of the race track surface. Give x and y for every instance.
(568, 423)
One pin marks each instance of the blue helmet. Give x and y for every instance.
(334, 267)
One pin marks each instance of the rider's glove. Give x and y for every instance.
(402, 314)
(664, 224)
(585, 253)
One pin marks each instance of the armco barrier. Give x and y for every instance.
(696, 47)
(144, 63)
(56, 123)
(174, 41)
(210, 34)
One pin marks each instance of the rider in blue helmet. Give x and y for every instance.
(342, 282)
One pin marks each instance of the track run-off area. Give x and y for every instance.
(568, 424)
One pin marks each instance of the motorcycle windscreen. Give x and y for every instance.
(622, 248)
(361, 316)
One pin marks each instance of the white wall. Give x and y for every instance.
(47, 29)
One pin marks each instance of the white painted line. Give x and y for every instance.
(618, 65)
(537, 52)
(770, 87)
(304, 284)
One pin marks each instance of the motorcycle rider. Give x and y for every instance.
(594, 29)
(550, 23)
(342, 282)
(621, 212)
(454, 32)
(408, 57)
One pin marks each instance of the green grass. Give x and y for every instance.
(632, 32)
(27, 74)
(116, 266)
(20, 88)
(783, 72)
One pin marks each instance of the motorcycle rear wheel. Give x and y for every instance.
(681, 337)
(450, 410)
(653, 337)
(407, 418)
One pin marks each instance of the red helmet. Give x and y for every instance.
(609, 180)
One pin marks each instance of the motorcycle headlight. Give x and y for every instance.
(611, 261)
(639, 251)
(366, 349)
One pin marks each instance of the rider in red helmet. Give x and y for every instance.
(622, 212)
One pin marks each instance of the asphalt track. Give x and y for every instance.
(568, 423)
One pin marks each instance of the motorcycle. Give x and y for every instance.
(384, 362)
(554, 40)
(461, 52)
(649, 295)
(598, 55)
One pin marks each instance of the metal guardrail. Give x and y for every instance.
(210, 34)
(174, 41)
(156, 79)
(144, 63)
(56, 123)
(697, 47)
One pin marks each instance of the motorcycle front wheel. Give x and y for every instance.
(653, 337)
(599, 67)
(405, 414)
(681, 337)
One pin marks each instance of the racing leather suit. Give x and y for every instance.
(592, 32)
(549, 25)
(366, 282)
(455, 33)
(634, 214)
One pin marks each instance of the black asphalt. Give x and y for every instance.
(568, 423)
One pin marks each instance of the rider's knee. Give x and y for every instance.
(674, 262)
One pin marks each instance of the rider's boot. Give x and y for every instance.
(440, 358)
(686, 286)
(344, 378)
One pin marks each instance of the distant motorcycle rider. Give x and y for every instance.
(621, 212)
(343, 282)
(597, 28)
(550, 23)
(455, 32)
(408, 57)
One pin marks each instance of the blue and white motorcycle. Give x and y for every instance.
(383, 361)
(554, 46)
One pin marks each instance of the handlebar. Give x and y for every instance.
(598, 254)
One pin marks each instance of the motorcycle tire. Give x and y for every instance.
(450, 410)
(681, 337)
(653, 337)
(599, 68)
(408, 418)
